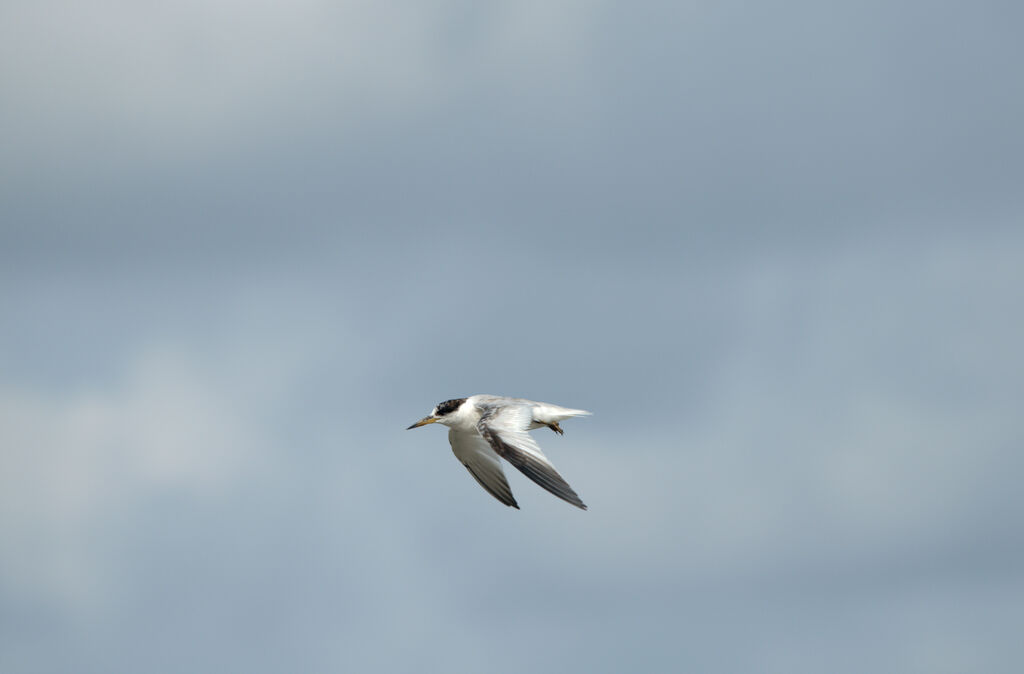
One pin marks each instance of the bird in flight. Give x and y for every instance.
(483, 428)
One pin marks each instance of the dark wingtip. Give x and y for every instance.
(541, 472)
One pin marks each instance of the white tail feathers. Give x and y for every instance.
(547, 414)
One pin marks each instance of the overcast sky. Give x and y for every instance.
(778, 250)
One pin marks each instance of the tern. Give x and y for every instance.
(483, 429)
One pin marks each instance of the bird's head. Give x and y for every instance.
(442, 412)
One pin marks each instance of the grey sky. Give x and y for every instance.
(776, 250)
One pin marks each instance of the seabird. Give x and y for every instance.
(483, 429)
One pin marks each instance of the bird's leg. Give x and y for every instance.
(555, 427)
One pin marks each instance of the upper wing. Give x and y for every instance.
(482, 463)
(505, 430)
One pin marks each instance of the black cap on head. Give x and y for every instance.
(449, 406)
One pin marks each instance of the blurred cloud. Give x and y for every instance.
(74, 459)
(774, 249)
(203, 78)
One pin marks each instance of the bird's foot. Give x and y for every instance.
(555, 427)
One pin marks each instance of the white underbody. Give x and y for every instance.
(468, 415)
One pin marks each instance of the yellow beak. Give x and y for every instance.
(422, 422)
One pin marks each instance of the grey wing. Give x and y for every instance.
(482, 463)
(505, 430)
